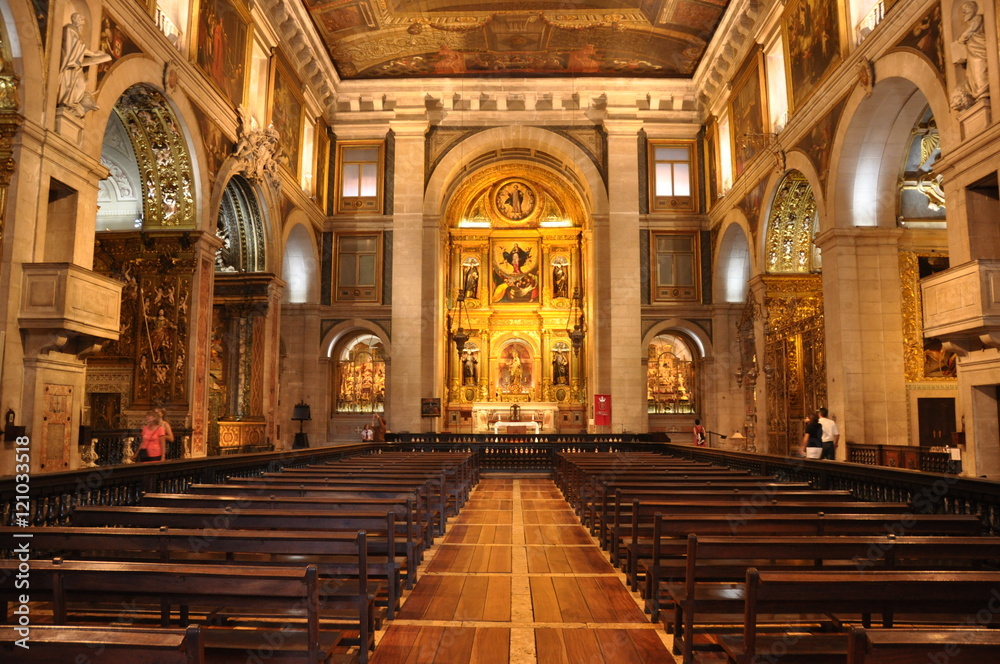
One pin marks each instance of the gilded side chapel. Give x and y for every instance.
(273, 217)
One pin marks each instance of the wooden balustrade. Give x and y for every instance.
(936, 493)
(903, 456)
(53, 496)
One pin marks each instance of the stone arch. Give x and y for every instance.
(673, 382)
(336, 342)
(869, 143)
(163, 158)
(700, 340)
(27, 54)
(449, 169)
(137, 70)
(734, 259)
(300, 262)
(336, 335)
(242, 229)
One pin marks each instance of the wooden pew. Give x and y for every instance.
(958, 596)
(403, 511)
(438, 491)
(270, 599)
(424, 515)
(637, 521)
(703, 580)
(640, 544)
(743, 485)
(602, 512)
(380, 528)
(336, 555)
(51, 644)
(926, 646)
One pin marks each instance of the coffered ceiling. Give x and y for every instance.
(372, 39)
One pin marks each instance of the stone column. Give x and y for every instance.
(722, 398)
(618, 309)
(864, 335)
(305, 375)
(201, 342)
(414, 291)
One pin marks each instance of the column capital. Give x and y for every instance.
(858, 236)
(409, 127)
(622, 127)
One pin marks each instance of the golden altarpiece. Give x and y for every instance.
(515, 288)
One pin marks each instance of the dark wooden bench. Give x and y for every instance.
(703, 580)
(954, 597)
(403, 510)
(380, 529)
(437, 489)
(350, 497)
(639, 544)
(336, 555)
(627, 521)
(923, 646)
(278, 609)
(53, 644)
(602, 512)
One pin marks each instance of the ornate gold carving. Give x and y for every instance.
(164, 162)
(10, 123)
(789, 245)
(915, 354)
(794, 355)
(475, 199)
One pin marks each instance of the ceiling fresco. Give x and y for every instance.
(409, 38)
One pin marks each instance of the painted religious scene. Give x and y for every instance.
(516, 288)
(636, 38)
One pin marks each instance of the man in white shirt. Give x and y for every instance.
(831, 435)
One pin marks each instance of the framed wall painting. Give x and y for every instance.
(814, 36)
(514, 263)
(286, 109)
(746, 111)
(223, 45)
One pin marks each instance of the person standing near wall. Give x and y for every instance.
(378, 428)
(831, 435)
(153, 439)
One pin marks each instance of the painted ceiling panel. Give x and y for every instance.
(413, 38)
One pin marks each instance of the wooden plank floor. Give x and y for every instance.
(517, 579)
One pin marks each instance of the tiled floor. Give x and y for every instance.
(517, 579)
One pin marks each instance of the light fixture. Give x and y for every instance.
(460, 336)
(577, 334)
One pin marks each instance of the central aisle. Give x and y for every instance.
(518, 579)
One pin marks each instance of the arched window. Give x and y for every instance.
(789, 247)
(670, 376)
(360, 376)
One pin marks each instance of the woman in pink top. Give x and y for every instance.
(153, 439)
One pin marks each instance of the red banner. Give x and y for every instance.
(602, 410)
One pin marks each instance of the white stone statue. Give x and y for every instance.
(73, 93)
(259, 149)
(89, 456)
(128, 451)
(970, 50)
